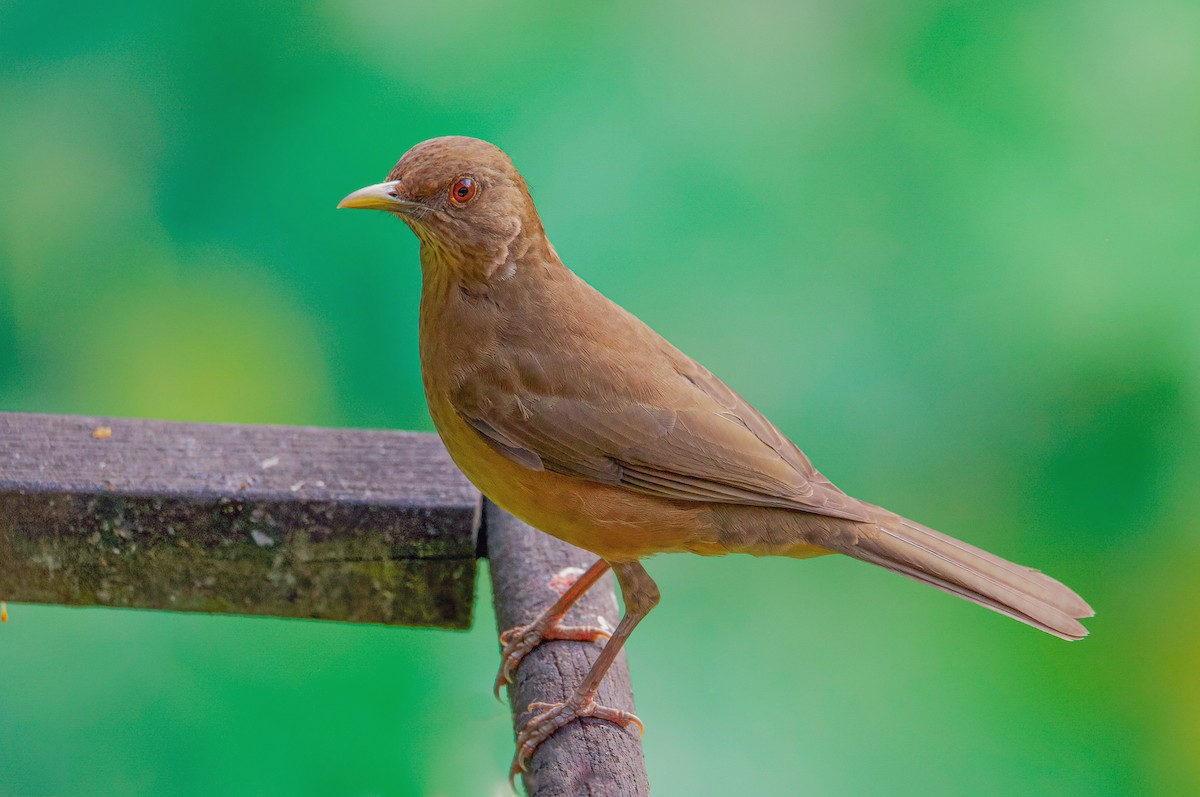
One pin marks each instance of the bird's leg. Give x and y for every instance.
(641, 595)
(518, 641)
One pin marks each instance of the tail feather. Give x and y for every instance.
(953, 566)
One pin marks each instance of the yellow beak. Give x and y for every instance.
(381, 196)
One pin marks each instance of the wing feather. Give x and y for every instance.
(698, 441)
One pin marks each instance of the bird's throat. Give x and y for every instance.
(472, 267)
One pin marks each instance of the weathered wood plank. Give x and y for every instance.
(340, 524)
(591, 757)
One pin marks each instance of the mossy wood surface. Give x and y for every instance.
(337, 524)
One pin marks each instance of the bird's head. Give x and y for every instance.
(464, 199)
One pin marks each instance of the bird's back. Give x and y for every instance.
(558, 377)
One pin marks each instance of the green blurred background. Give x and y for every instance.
(950, 247)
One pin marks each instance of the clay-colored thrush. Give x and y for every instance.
(579, 419)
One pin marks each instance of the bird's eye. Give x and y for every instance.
(463, 190)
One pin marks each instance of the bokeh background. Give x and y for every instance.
(950, 247)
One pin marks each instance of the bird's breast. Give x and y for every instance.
(488, 351)
(612, 522)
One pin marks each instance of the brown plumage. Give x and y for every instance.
(578, 418)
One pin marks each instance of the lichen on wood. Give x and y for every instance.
(364, 526)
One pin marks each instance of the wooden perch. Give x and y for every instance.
(590, 757)
(338, 524)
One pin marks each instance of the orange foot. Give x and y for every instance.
(553, 716)
(519, 641)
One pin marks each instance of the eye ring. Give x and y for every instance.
(464, 190)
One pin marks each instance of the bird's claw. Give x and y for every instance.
(551, 717)
(519, 641)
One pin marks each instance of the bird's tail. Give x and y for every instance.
(910, 549)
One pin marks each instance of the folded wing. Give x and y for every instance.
(695, 440)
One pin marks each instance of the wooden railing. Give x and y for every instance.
(332, 524)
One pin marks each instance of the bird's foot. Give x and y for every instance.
(552, 716)
(519, 641)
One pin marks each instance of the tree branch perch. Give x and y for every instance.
(589, 757)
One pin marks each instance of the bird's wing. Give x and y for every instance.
(697, 440)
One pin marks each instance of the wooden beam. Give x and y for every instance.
(591, 757)
(337, 524)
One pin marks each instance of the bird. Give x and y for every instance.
(570, 413)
